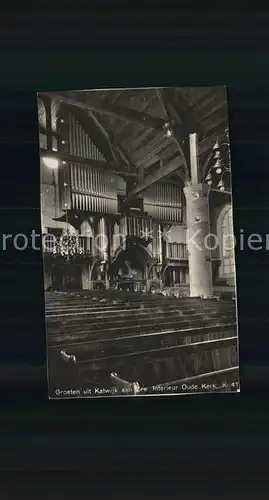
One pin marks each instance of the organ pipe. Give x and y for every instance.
(164, 202)
(93, 189)
(80, 144)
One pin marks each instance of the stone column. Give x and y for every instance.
(123, 231)
(85, 278)
(198, 240)
(102, 239)
(182, 276)
(103, 249)
(160, 244)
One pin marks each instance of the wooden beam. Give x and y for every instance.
(47, 104)
(162, 172)
(121, 152)
(141, 172)
(122, 131)
(206, 165)
(95, 130)
(129, 162)
(113, 110)
(182, 176)
(77, 159)
(178, 138)
(216, 120)
(56, 135)
(185, 111)
(218, 128)
(152, 149)
(169, 110)
(207, 144)
(213, 109)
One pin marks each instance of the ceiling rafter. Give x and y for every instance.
(186, 114)
(144, 148)
(209, 142)
(142, 108)
(151, 150)
(112, 110)
(208, 114)
(106, 134)
(56, 135)
(89, 123)
(118, 149)
(215, 120)
(179, 140)
(164, 170)
(126, 158)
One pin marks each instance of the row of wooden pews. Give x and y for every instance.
(144, 338)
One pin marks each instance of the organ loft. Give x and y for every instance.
(134, 183)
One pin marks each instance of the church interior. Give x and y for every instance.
(136, 213)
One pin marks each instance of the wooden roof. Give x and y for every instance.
(205, 108)
(134, 120)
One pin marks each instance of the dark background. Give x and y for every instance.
(136, 441)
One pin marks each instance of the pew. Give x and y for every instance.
(123, 385)
(149, 338)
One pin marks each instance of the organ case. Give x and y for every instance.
(92, 189)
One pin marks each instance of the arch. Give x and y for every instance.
(142, 248)
(86, 228)
(225, 234)
(145, 249)
(136, 255)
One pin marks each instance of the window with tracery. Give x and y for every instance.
(226, 242)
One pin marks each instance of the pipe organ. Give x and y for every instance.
(177, 251)
(93, 189)
(139, 226)
(97, 193)
(80, 143)
(164, 202)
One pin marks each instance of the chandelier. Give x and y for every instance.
(68, 246)
(219, 174)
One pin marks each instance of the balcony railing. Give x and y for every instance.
(175, 251)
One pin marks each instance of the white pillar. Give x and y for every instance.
(123, 231)
(102, 239)
(160, 248)
(198, 240)
(85, 278)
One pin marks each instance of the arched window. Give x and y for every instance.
(226, 241)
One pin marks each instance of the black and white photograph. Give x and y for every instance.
(138, 242)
